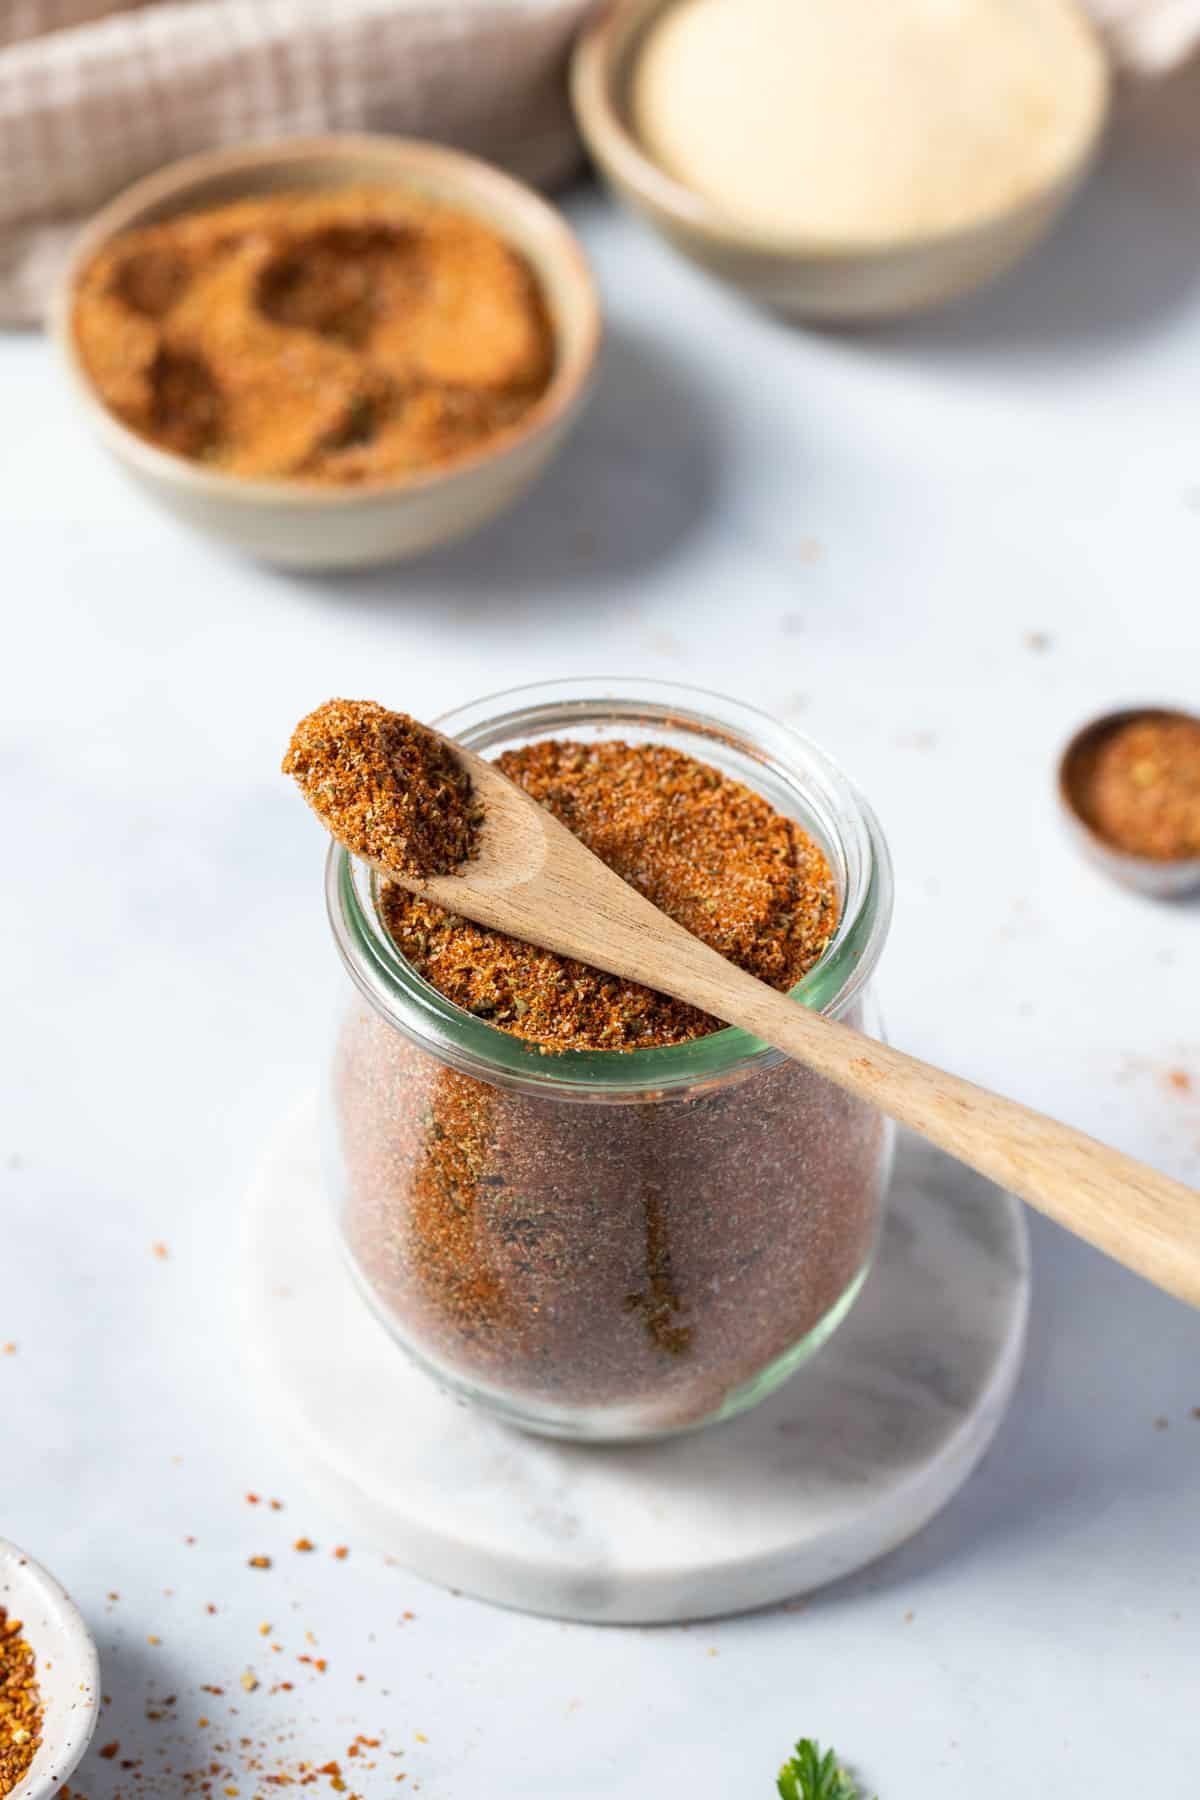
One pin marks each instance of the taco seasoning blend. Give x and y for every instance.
(334, 338)
(20, 1705)
(620, 1268)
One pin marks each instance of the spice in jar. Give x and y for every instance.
(337, 338)
(20, 1704)
(1138, 785)
(385, 786)
(709, 853)
(652, 1262)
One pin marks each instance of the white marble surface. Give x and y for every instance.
(860, 532)
(845, 1462)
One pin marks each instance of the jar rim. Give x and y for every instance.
(746, 742)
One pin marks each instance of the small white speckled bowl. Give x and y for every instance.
(302, 525)
(68, 1669)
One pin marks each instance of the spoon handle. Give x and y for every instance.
(1132, 1212)
(541, 884)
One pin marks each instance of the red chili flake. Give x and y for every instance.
(252, 1499)
(209, 1607)
(108, 1751)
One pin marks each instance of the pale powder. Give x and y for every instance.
(866, 120)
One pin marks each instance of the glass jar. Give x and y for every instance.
(611, 1245)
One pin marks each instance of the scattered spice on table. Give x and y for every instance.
(332, 338)
(1138, 785)
(20, 1704)
(385, 786)
(648, 1255)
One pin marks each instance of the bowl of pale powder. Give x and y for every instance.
(838, 159)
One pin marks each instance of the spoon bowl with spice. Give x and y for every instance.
(445, 825)
(49, 1680)
(1129, 783)
(331, 352)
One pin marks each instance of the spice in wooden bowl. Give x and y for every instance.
(338, 338)
(20, 1705)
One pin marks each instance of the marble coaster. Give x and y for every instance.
(844, 1462)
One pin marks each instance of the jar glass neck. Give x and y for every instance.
(793, 774)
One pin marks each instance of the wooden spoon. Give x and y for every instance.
(534, 880)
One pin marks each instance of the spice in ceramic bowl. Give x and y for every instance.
(336, 338)
(20, 1704)
(586, 1206)
(842, 159)
(49, 1680)
(1130, 782)
(385, 382)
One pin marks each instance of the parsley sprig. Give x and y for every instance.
(807, 1775)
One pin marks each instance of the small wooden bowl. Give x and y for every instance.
(805, 279)
(300, 525)
(1144, 874)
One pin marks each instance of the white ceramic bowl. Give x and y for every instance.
(68, 1669)
(300, 525)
